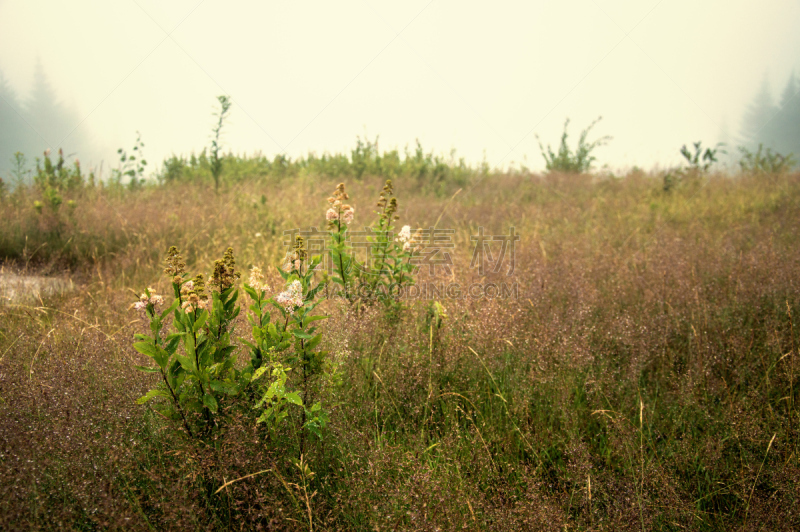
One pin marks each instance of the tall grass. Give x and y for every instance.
(644, 379)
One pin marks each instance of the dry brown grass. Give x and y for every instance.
(634, 384)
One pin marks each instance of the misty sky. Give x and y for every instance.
(480, 77)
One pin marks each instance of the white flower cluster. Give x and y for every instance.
(154, 299)
(292, 297)
(257, 281)
(404, 237)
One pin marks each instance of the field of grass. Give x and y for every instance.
(644, 376)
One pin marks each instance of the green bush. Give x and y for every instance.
(565, 160)
(765, 161)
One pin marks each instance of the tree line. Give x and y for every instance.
(34, 123)
(776, 125)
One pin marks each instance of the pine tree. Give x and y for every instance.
(15, 134)
(757, 118)
(786, 130)
(43, 112)
(54, 123)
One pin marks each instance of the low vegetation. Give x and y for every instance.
(583, 352)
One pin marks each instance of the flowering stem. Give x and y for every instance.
(156, 337)
(177, 405)
(341, 264)
(305, 398)
(199, 379)
(384, 248)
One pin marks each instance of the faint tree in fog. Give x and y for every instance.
(31, 125)
(775, 126)
(757, 116)
(786, 126)
(15, 134)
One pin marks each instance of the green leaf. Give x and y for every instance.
(250, 291)
(193, 404)
(234, 297)
(311, 344)
(148, 370)
(224, 387)
(146, 348)
(200, 320)
(210, 402)
(259, 372)
(155, 352)
(301, 334)
(225, 293)
(179, 324)
(162, 357)
(226, 351)
(170, 309)
(294, 398)
(152, 394)
(186, 362)
(284, 274)
(309, 319)
(171, 342)
(313, 292)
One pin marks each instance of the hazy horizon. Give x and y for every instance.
(465, 76)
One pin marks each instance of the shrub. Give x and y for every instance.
(567, 161)
(131, 166)
(701, 160)
(216, 162)
(765, 161)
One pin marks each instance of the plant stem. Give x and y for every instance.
(341, 264)
(177, 404)
(791, 375)
(199, 381)
(305, 398)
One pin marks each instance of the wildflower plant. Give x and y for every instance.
(53, 179)
(131, 166)
(339, 215)
(196, 361)
(291, 341)
(390, 265)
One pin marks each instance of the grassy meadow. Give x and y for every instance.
(643, 376)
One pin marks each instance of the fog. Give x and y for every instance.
(480, 78)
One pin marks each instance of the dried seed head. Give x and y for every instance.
(175, 265)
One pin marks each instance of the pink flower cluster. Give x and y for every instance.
(290, 262)
(154, 299)
(292, 297)
(341, 212)
(187, 288)
(193, 302)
